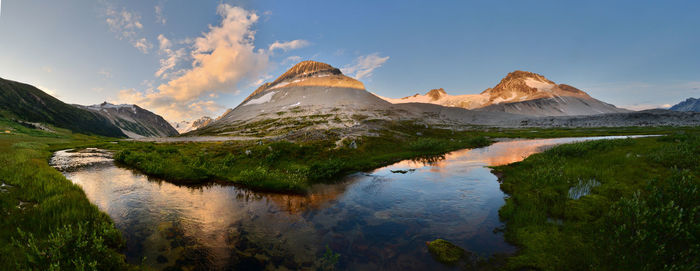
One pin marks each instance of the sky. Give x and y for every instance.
(187, 59)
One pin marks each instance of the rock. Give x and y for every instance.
(445, 252)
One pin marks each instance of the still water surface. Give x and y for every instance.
(378, 220)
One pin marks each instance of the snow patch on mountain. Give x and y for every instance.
(261, 100)
(519, 87)
(133, 121)
(540, 85)
(188, 126)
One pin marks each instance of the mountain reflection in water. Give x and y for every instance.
(376, 220)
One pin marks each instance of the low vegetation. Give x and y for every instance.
(445, 252)
(284, 166)
(47, 222)
(629, 204)
(634, 206)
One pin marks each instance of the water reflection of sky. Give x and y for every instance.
(377, 220)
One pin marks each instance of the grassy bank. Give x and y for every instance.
(285, 166)
(631, 204)
(47, 222)
(50, 223)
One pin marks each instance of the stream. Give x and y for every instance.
(378, 220)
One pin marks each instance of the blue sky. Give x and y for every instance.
(212, 54)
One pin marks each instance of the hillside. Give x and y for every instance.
(310, 94)
(27, 103)
(520, 92)
(314, 99)
(689, 105)
(133, 120)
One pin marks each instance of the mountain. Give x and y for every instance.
(186, 126)
(27, 103)
(309, 94)
(134, 121)
(689, 105)
(520, 92)
(315, 100)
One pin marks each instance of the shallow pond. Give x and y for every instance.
(374, 220)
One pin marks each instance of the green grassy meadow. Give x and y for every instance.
(629, 204)
(48, 222)
(636, 209)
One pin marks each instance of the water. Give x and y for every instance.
(375, 220)
(582, 188)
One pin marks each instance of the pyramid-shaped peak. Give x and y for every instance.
(306, 69)
(436, 93)
(310, 73)
(522, 75)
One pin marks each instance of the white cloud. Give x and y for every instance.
(222, 58)
(258, 82)
(171, 59)
(288, 45)
(291, 59)
(127, 25)
(142, 45)
(160, 17)
(363, 66)
(164, 43)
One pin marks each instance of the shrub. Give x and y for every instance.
(84, 246)
(657, 230)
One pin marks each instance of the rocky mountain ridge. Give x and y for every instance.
(26, 103)
(309, 94)
(310, 73)
(689, 105)
(520, 92)
(133, 120)
(187, 126)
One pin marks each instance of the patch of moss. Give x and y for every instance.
(445, 252)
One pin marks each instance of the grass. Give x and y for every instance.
(47, 222)
(641, 212)
(649, 186)
(284, 166)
